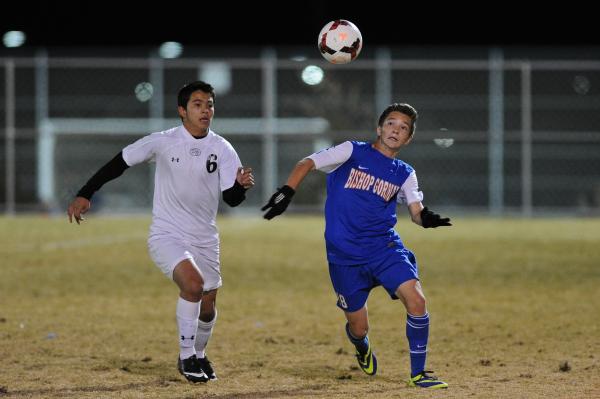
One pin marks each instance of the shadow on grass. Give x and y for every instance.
(60, 392)
(313, 390)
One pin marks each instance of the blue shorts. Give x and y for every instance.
(353, 283)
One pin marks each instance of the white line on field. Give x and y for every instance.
(81, 242)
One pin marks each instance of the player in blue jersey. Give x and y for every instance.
(365, 182)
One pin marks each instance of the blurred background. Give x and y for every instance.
(508, 102)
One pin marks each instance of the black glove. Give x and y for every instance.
(430, 219)
(278, 202)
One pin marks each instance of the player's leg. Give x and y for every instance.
(398, 274)
(417, 323)
(206, 323)
(208, 262)
(417, 332)
(177, 263)
(357, 330)
(188, 278)
(358, 322)
(352, 285)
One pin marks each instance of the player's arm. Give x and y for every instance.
(279, 201)
(415, 212)
(326, 160)
(81, 204)
(411, 195)
(300, 171)
(236, 194)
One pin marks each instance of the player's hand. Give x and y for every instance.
(430, 219)
(245, 177)
(278, 202)
(77, 208)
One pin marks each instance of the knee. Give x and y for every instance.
(189, 280)
(194, 286)
(417, 306)
(207, 316)
(359, 329)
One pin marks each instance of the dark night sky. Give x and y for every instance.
(108, 23)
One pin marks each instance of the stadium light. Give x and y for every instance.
(299, 58)
(13, 38)
(170, 50)
(312, 75)
(144, 91)
(218, 74)
(581, 84)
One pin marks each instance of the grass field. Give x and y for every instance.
(84, 313)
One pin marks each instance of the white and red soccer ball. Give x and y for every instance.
(340, 41)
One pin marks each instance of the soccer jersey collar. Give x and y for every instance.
(188, 135)
(381, 154)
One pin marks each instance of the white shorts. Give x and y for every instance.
(167, 252)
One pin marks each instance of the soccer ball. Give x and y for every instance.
(340, 41)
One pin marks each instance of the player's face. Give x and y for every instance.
(395, 131)
(198, 113)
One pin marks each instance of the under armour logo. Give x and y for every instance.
(173, 159)
(190, 338)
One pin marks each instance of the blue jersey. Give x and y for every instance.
(360, 210)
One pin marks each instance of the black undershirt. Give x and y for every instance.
(114, 168)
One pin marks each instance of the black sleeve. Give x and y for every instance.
(234, 195)
(113, 169)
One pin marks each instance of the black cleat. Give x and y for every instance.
(367, 362)
(190, 368)
(207, 368)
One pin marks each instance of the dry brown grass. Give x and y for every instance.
(85, 314)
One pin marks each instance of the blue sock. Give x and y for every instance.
(417, 332)
(361, 344)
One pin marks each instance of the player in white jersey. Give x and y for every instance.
(194, 167)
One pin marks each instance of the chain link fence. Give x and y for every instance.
(494, 135)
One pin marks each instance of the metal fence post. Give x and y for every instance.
(496, 132)
(10, 133)
(269, 112)
(526, 137)
(383, 79)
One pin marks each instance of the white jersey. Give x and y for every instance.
(190, 176)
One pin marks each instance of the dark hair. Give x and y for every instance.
(404, 108)
(186, 92)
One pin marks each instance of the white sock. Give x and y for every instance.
(203, 334)
(187, 321)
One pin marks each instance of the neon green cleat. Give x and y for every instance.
(368, 362)
(424, 380)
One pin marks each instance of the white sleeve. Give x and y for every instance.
(409, 192)
(228, 167)
(329, 159)
(142, 150)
